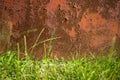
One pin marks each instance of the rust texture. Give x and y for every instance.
(83, 25)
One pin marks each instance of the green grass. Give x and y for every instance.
(91, 68)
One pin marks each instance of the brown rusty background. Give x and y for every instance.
(83, 25)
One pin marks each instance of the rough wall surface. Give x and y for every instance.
(83, 25)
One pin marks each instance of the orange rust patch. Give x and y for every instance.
(101, 30)
(51, 8)
(53, 5)
(10, 25)
(93, 18)
(113, 26)
(72, 33)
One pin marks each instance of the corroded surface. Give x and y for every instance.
(83, 25)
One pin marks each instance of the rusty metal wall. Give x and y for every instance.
(83, 25)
